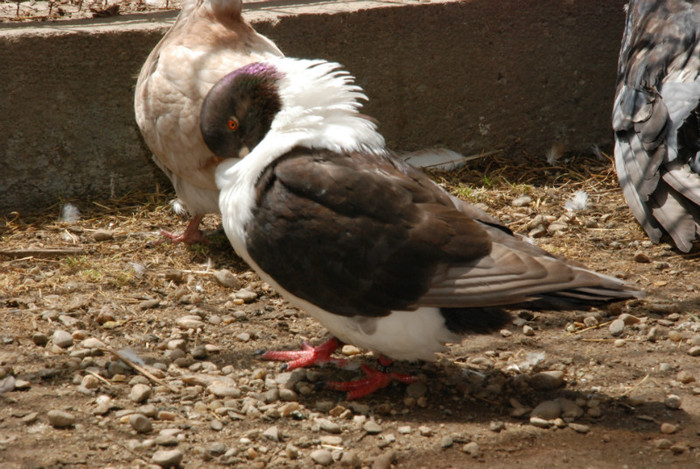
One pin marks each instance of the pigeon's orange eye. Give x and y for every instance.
(232, 124)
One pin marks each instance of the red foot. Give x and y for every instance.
(375, 380)
(310, 355)
(192, 233)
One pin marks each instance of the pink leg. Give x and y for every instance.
(375, 380)
(309, 355)
(192, 233)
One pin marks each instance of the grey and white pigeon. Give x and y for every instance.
(363, 242)
(208, 40)
(655, 118)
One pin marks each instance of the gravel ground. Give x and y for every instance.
(118, 351)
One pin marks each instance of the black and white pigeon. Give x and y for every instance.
(208, 40)
(655, 118)
(363, 242)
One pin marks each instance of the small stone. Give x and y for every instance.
(556, 227)
(328, 426)
(497, 426)
(190, 322)
(679, 448)
(216, 425)
(61, 419)
(90, 382)
(102, 235)
(472, 449)
(522, 201)
(288, 395)
(288, 409)
(40, 339)
(673, 401)
(685, 377)
(272, 433)
(173, 275)
(246, 295)
(528, 331)
(446, 442)
(92, 343)
(594, 412)
(331, 440)
(167, 458)
(694, 351)
(629, 320)
(62, 338)
(350, 350)
(569, 409)
(641, 258)
(148, 304)
(384, 460)
(505, 333)
(322, 457)
(350, 459)
(540, 422)
(21, 385)
(590, 321)
(227, 279)
(140, 392)
(140, 423)
(404, 429)
(547, 410)
(217, 448)
(619, 343)
(425, 431)
(579, 428)
(372, 427)
(224, 389)
(668, 428)
(616, 327)
(416, 390)
(663, 443)
(243, 337)
(546, 380)
(291, 451)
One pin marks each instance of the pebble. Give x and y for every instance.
(540, 422)
(61, 419)
(102, 235)
(590, 321)
(556, 226)
(322, 457)
(291, 451)
(404, 429)
(446, 442)
(663, 443)
(668, 428)
(217, 448)
(246, 295)
(372, 427)
(243, 337)
(350, 459)
(675, 336)
(616, 327)
(140, 392)
(148, 304)
(425, 431)
(167, 458)
(384, 460)
(673, 401)
(22, 385)
(190, 322)
(288, 394)
(350, 350)
(579, 428)
(528, 330)
(328, 426)
(546, 380)
(569, 409)
(224, 389)
(227, 279)
(272, 433)
(40, 339)
(547, 410)
(287, 409)
(216, 425)
(62, 338)
(331, 440)
(497, 426)
(685, 377)
(694, 351)
(641, 258)
(505, 333)
(416, 390)
(522, 201)
(472, 448)
(140, 423)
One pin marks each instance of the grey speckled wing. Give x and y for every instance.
(655, 118)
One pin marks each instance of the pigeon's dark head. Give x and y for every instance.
(238, 111)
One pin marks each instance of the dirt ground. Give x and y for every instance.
(192, 317)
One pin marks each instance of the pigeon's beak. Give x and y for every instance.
(243, 152)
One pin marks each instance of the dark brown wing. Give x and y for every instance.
(655, 118)
(365, 234)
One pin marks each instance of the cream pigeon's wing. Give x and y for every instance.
(655, 118)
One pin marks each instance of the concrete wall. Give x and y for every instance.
(473, 76)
